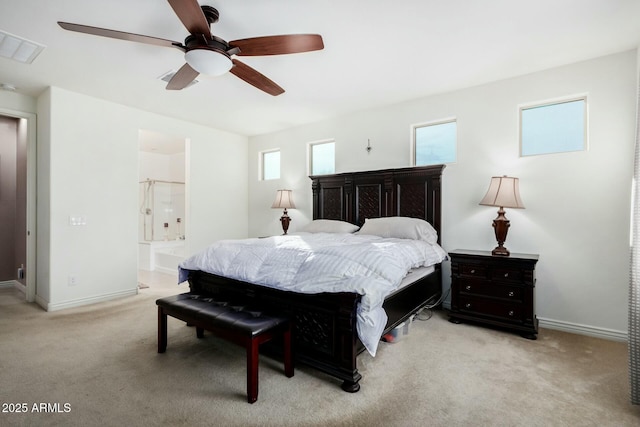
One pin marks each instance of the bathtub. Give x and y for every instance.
(162, 256)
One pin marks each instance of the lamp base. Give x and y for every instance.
(501, 227)
(285, 220)
(500, 251)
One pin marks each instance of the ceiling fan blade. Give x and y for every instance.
(255, 78)
(119, 35)
(278, 45)
(182, 78)
(192, 16)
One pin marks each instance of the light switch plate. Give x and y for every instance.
(77, 220)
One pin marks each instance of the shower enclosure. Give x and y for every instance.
(161, 225)
(161, 211)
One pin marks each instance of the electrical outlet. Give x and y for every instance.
(73, 280)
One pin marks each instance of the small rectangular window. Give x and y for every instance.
(271, 164)
(322, 158)
(553, 127)
(434, 143)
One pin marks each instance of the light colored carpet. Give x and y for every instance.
(101, 360)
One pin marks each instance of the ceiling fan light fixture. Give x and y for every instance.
(209, 62)
(204, 52)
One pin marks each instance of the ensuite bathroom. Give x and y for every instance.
(161, 202)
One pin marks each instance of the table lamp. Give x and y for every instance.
(284, 200)
(503, 193)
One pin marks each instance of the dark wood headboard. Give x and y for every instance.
(353, 197)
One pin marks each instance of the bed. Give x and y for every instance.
(326, 324)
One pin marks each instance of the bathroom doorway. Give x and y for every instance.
(162, 208)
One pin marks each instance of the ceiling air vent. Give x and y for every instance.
(19, 49)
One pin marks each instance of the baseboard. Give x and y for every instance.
(592, 331)
(13, 284)
(85, 301)
(19, 286)
(41, 302)
(574, 328)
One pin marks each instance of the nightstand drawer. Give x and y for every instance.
(511, 293)
(490, 308)
(506, 274)
(473, 270)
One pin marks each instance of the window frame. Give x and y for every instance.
(310, 146)
(552, 102)
(412, 143)
(261, 164)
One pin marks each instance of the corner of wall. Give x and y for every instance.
(43, 242)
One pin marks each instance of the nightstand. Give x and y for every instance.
(494, 290)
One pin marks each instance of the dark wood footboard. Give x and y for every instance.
(324, 332)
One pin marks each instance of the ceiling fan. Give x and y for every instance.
(211, 55)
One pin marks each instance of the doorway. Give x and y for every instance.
(18, 202)
(162, 242)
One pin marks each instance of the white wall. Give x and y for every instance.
(164, 167)
(577, 204)
(18, 102)
(88, 166)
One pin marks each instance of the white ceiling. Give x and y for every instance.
(376, 52)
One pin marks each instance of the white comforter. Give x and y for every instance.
(322, 262)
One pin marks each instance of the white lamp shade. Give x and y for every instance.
(283, 200)
(504, 191)
(208, 62)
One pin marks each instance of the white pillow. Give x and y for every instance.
(329, 226)
(400, 227)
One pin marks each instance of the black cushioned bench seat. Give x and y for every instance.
(246, 326)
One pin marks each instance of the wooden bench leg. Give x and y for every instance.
(253, 361)
(162, 330)
(199, 332)
(288, 357)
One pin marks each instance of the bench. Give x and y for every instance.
(245, 326)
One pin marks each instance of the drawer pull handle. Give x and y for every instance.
(468, 287)
(506, 274)
(473, 271)
(511, 313)
(511, 293)
(468, 305)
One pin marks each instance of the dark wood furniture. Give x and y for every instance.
(245, 326)
(325, 334)
(494, 290)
